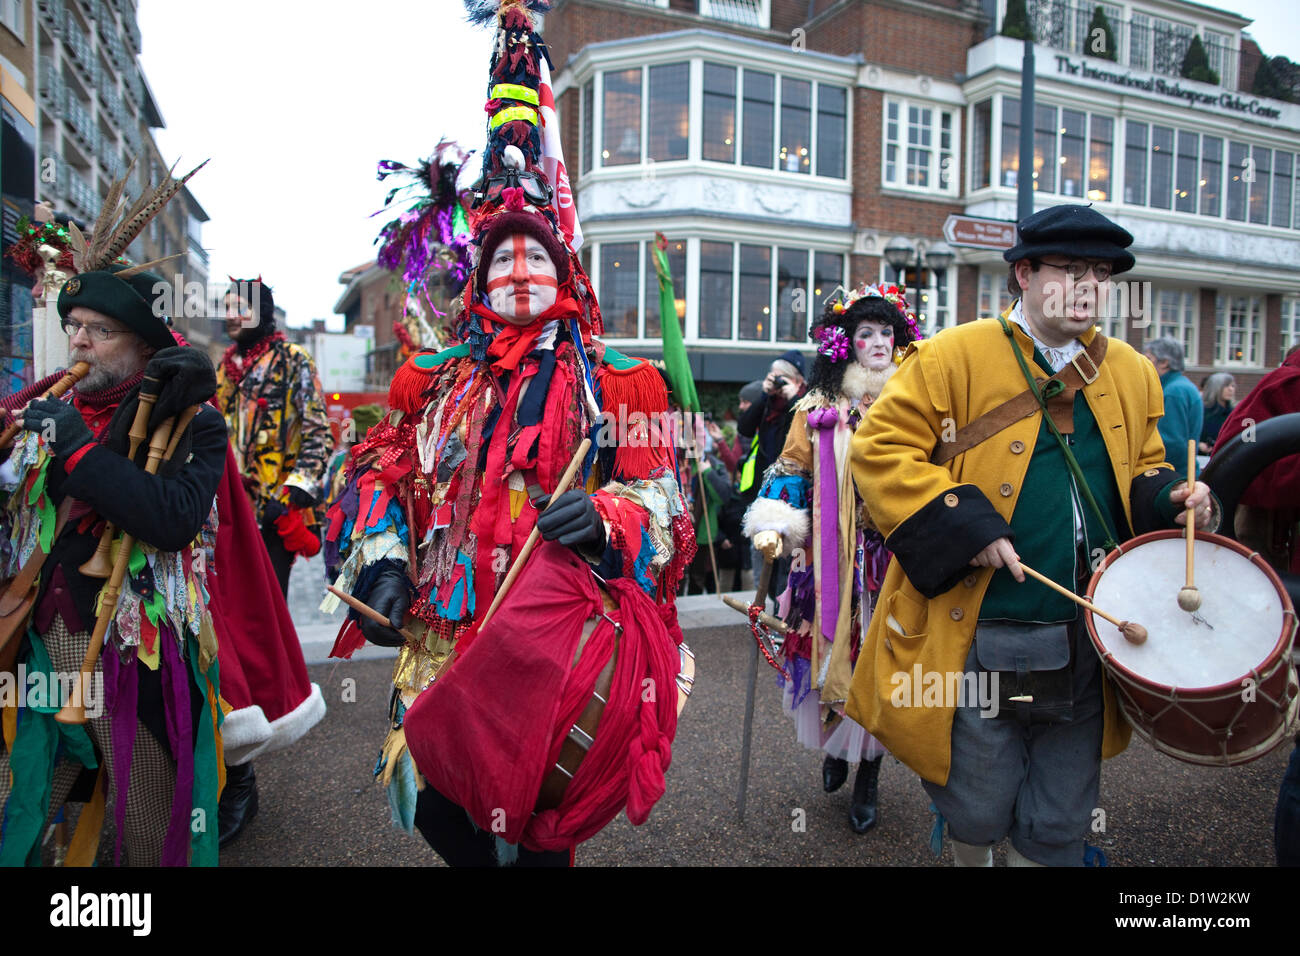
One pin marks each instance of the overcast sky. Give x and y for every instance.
(296, 101)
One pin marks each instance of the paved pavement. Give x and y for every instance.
(320, 806)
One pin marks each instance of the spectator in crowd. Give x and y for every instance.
(1183, 408)
(1218, 395)
(763, 425)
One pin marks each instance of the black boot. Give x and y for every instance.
(238, 803)
(834, 773)
(862, 814)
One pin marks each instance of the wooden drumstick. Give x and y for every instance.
(368, 611)
(1189, 599)
(1135, 633)
(574, 464)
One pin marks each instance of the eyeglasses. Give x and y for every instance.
(1078, 268)
(97, 333)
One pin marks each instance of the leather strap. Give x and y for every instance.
(583, 733)
(1082, 370)
(16, 593)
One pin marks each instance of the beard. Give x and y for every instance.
(104, 374)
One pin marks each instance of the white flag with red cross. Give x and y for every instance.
(553, 163)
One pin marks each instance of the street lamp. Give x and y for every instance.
(899, 254)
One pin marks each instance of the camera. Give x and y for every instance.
(779, 381)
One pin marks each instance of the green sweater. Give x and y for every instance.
(1043, 521)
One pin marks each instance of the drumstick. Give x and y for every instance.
(368, 611)
(1189, 599)
(1134, 632)
(574, 464)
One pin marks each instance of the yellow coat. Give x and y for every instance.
(943, 384)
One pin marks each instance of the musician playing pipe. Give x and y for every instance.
(441, 499)
(151, 703)
(962, 505)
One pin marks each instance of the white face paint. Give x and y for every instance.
(521, 279)
(873, 344)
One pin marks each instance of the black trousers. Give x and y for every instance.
(454, 837)
(281, 557)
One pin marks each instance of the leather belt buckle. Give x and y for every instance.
(1087, 379)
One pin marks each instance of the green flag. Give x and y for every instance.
(676, 363)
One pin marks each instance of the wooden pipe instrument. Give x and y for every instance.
(161, 447)
(57, 390)
(99, 565)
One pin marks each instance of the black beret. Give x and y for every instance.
(139, 301)
(1079, 232)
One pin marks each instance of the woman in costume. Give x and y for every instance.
(808, 506)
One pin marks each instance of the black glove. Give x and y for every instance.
(573, 521)
(390, 595)
(299, 498)
(272, 510)
(187, 378)
(60, 423)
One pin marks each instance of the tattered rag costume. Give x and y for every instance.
(156, 742)
(441, 492)
(275, 410)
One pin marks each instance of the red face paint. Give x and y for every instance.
(525, 283)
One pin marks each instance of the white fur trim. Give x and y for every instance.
(772, 514)
(854, 385)
(245, 744)
(243, 731)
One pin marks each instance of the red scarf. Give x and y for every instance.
(513, 342)
(236, 364)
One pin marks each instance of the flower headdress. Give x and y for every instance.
(895, 295)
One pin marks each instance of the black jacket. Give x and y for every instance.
(771, 417)
(166, 510)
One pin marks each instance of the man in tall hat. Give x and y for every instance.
(152, 698)
(963, 490)
(269, 392)
(443, 495)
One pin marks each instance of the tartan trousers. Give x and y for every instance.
(152, 775)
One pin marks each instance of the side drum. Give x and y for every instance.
(1216, 686)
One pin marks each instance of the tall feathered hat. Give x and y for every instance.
(127, 293)
(523, 186)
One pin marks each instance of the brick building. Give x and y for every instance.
(784, 145)
(81, 109)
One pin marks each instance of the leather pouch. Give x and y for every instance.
(1033, 668)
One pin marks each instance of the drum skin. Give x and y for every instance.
(1217, 724)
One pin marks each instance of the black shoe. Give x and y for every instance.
(238, 804)
(862, 814)
(834, 773)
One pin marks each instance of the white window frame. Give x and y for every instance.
(11, 15)
(935, 166)
(646, 274)
(1253, 353)
(929, 293)
(992, 297)
(1290, 323)
(1186, 324)
(716, 10)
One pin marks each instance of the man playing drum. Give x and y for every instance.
(966, 477)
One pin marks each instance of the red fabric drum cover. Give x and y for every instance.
(487, 732)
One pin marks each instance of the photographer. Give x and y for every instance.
(763, 427)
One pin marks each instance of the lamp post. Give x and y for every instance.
(899, 254)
